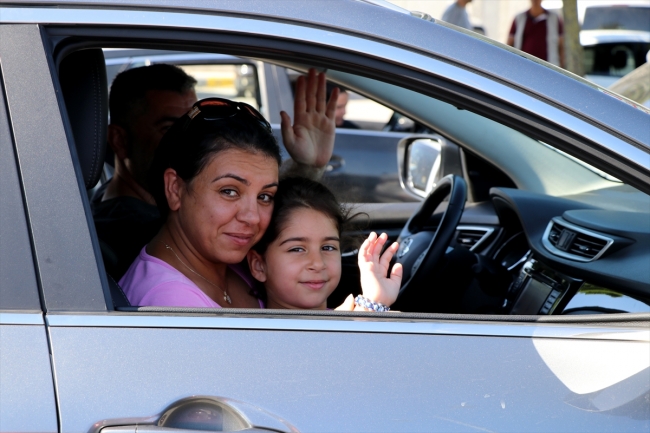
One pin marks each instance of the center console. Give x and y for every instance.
(538, 289)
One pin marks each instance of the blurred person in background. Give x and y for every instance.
(341, 105)
(540, 33)
(456, 14)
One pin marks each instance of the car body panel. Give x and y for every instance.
(399, 382)
(18, 286)
(27, 397)
(66, 259)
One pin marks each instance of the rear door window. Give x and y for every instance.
(617, 18)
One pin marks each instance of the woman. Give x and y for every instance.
(214, 177)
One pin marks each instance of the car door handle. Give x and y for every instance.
(336, 163)
(155, 429)
(199, 414)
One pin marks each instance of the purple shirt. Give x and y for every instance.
(154, 282)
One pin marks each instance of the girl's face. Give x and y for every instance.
(302, 267)
(227, 207)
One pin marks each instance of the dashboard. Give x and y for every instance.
(564, 256)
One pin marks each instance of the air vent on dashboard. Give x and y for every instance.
(572, 242)
(472, 237)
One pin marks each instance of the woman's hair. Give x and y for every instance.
(301, 193)
(188, 150)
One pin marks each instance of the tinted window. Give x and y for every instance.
(231, 81)
(621, 18)
(18, 289)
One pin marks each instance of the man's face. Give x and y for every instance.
(340, 107)
(161, 109)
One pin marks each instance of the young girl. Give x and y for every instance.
(299, 257)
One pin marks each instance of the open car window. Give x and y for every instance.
(494, 159)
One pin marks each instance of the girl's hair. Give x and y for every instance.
(301, 193)
(188, 150)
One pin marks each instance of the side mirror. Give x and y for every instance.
(424, 159)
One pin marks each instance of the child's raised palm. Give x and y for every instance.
(375, 283)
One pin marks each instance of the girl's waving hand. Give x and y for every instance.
(375, 282)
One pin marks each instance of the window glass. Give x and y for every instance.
(366, 113)
(617, 18)
(217, 75)
(364, 170)
(238, 82)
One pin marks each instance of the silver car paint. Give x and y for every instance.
(48, 175)
(27, 402)
(336, 381)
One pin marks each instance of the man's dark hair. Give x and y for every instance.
(127, 96)
(329, 87)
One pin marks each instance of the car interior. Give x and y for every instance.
(504, 220)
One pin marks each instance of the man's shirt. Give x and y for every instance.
(535, 38)
(457, 16)
(124, 225)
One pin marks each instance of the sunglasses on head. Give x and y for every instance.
(217, 109)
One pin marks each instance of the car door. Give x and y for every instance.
(281, 371)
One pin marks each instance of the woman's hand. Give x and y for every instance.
(373, 265)
(311, 139)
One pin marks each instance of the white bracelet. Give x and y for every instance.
(370, 305)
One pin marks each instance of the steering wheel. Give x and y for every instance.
(420, 250)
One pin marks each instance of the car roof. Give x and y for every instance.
(593, 37)
(447, 43)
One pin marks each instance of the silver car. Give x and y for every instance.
(545, 328)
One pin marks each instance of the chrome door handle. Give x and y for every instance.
(199, 414)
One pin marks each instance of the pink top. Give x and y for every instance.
(154, 282)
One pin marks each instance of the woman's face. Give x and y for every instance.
(302, 267)
(227, 207)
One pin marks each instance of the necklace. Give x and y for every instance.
(225, 293)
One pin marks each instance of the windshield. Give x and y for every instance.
(617, 18)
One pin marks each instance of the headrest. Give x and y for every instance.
(83, 81)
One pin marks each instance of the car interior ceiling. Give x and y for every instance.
(82, 73)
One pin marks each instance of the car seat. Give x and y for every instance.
(82, 75)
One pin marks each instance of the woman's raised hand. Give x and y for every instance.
(310, 141)
(375, 283)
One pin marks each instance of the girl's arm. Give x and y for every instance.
(373, 265)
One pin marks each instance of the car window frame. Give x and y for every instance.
(435, 84)
(19, 290)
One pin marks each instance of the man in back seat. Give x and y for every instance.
(143, 103)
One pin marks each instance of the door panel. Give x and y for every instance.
(26, 388)
(329, 381)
